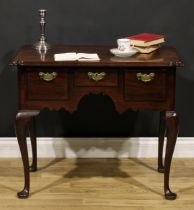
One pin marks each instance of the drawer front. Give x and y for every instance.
(93, 78)
(46, 85)
(145, 86)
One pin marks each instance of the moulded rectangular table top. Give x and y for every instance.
(165, 56)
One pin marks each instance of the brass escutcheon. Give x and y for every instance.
(96, 76)
(145, 77)
(47, 76)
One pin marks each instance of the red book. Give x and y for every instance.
(146, 39)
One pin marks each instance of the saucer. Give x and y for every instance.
(117, 52)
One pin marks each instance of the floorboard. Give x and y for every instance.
(96, 184)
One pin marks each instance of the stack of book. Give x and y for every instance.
(146, 42)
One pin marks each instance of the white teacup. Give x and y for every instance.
(124, 45)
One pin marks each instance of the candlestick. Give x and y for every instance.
(42, 45)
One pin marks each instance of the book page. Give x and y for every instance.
(70, 56)
(88, 57)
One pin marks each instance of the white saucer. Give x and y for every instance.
(117, 52)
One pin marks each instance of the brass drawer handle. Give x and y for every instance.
(96, 76)
(47, 76)
(145, 77)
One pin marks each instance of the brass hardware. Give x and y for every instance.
(145, 77)
(47, 76)
(96, 76)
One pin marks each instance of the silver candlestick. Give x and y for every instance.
(42, 45)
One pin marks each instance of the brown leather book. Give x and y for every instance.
(147, 49)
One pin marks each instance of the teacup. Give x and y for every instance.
(125, 45)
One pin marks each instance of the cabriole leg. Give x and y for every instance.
(162, 133)
(21, 122)
(32, 133)
(172, 123)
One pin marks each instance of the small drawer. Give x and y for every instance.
(145, 86)
(93, 78)
(47, 85)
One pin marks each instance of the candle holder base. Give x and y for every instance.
(42, 46)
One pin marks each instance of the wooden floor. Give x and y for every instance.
(96, 184)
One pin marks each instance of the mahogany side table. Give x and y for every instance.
(143, 81)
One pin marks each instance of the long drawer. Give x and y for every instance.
(47, 85)
(145, 86)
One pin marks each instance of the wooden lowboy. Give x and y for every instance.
(138, 82)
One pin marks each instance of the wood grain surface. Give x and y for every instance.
(93, 184)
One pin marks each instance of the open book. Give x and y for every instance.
(73, 56)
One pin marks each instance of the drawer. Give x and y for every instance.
(46, 85)
(145, 86)
(95, 78)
